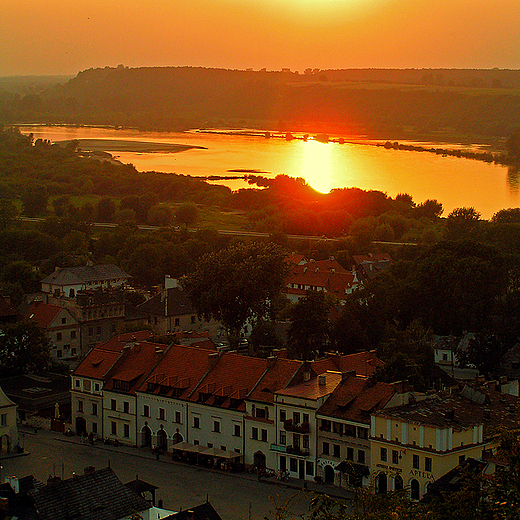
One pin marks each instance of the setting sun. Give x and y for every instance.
(316, 165)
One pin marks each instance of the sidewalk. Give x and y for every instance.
(146, 453)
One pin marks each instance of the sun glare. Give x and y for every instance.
(316, 165)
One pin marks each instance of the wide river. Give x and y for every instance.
(452, 181)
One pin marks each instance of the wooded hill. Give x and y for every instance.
(384, 103)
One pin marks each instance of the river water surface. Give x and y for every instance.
(454, 182)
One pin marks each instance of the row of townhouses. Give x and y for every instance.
(326, 419)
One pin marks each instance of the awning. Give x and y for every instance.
(204, 450)
(186, 446)
(352, 468)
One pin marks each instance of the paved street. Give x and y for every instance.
(234, 496)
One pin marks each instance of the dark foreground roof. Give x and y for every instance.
(94, 496)
(202, 512)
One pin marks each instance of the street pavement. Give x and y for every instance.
(181, 486)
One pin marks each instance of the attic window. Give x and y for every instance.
(97, 363)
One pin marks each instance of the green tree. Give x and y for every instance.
(24, 348)
(187, 214)
(34, 201)
(105, 210)
(309, 332)
(8, 213)
(462, 224)
(237, 284)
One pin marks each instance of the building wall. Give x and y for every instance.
(8, 427)
(87, 404)
(119, 417)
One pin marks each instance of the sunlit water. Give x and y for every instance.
(452, 181)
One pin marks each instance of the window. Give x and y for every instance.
(162, 414)
(86, 385)
(415, 461)
(350, 453)
(58, 336)
(94, 408)
(383, 454)
(309, 468)
(195, 442)
(236, 430)
(326, 448)
(77, 383)
(337, 428)
(296, 440)
(73, 352)
(428, 464)
(126, 407)
(96, 386)
(80, 406)
(146, 410)
(63, 321)
(193, 318)
(264, 435)
(254, 433)
(305, 442)
(325, 425)
(3, 419)
(196, 422)
(72, 334)
(177, 417)
(395, 457)
(177, 322)
(114, 428)
(112, 404)
(361, 456)
(223, 448)
(126, 430)
(306, 417)
(283, 415)
(210, 445)
(462, 458)
(283, 438)
(293, 464)
(337, 450)
(216, 426)
(261, 412)
(296, 417)
(94, 427)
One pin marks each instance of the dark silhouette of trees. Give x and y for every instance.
(237, 284)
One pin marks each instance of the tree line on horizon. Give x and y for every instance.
(382, 103)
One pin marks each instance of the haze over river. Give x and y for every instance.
(455, 182)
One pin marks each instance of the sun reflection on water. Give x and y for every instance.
(316, 165)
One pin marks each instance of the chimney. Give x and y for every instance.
(322, 380)
(347, 374)
(449, 415)
(280, 353)
(306, 375)
(213, 359)
(271, 360)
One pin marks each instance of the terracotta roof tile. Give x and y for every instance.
(42, 313)
(315, 388)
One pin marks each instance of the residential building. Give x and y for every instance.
(369, 266)
(343, 421)
(68, 281)
(61, 328)
(171, 311)
(89, 378)
(415, 444)
(8, 313)
(318, 275)
(8, 425)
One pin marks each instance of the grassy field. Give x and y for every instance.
(119, 145)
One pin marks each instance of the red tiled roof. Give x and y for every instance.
(181, 368)
(119, 342)
(97, 364)
(355, 398)
(364, 363)
(313, 388)
(232, 378)
(135, 363)
(281, 374)
(42, 313)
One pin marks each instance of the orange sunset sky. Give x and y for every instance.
(66, 36)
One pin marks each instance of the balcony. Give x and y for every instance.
(295, 450)
(304, 427)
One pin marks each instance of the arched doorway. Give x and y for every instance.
(382, 483)
(177, 437)
(161, 439)
(328, 474)
(81, 426)
(398, 483)
(146, 436)
(414, 490)
(5, 443)
(259, 460)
